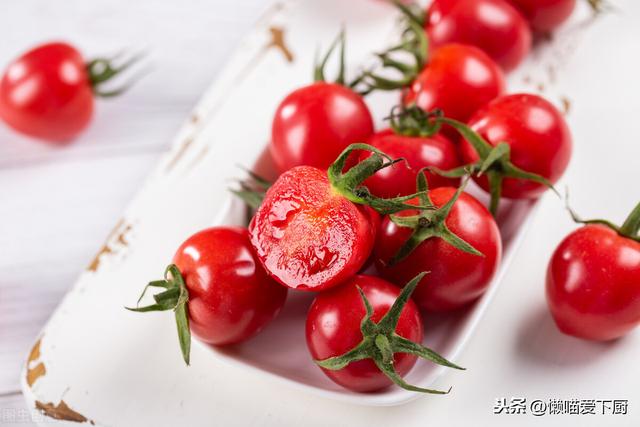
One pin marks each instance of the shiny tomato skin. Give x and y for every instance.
(308, 236)
(315, 123)
(455, 278)
(46, 93)
(333, 328)
(495, 26)
(593, 284)
(539, 137)
(458, 79)
(545, 15)
(231, 297)
(418, 152)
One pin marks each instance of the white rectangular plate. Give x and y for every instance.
(94, 358)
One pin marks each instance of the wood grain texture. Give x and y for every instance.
(58, 203)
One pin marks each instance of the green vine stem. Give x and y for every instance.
(174, 297)
(494, 161)
(429, 224)
(349, 183)
(629, 229)
(319, 67)
(413, 42)
(252, 190)
(102, 70)
(380, 342)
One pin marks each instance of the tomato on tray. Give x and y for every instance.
(458, 79)
(459, 243)
(218, 289)
(48, 92)
(495, 26)
(315, 123)
(537, 135)
(545, 15)
(366, 334)
(593, 279)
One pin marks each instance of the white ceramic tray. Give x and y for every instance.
(93, 358)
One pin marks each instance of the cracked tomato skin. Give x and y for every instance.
(418, 152)
(231, 297)
(458, 79)
(308, 236)
(315, 123)
(455, 278)
(539, 137)
(495, 26)
(545, 15)
(333, 328)
(593, 284)
(46, 93)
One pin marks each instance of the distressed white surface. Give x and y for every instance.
(57, 206)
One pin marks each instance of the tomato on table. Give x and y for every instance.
(458, 274)
(364, 348)
(218, 289)
(593, 280)
(458, 79)
(545, 15)
(495, 26)
(48, 92)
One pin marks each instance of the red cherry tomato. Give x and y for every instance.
(539, 137)
(456, 277)
(314, 124)
(231, 297)
(333, 328)
(418, 152)
(307, 235)
(458, 79)
(494, 26)
(46, 93)
(545, 15)
(593, 283)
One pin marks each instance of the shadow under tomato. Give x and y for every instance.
(540, 341)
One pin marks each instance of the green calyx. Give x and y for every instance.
(414, 121)
(349, 183)
(102, 70)
(629, 229)
(252, 190)
(174, 297)
(414, 43)
(380, 342)
(494, 161)
(319, 68)
(429, 224)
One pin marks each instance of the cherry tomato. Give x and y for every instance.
(333, 328)
(545, 15)
(418, 152)
(314, 124)
(495, 26)
(46, 93)
(456, 277)
(458, 79)
(539, 137)
(231, 297)
(593, 283)
(307, 235)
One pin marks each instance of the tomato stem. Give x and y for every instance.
(380, 342)
(631, 225)
(174, 297)
(101, 70)
(319, 68)
(252, 190)
(349, 183)
(414, 42)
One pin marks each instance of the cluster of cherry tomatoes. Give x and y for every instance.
(378, 224)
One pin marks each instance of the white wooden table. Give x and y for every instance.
(58, 204)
